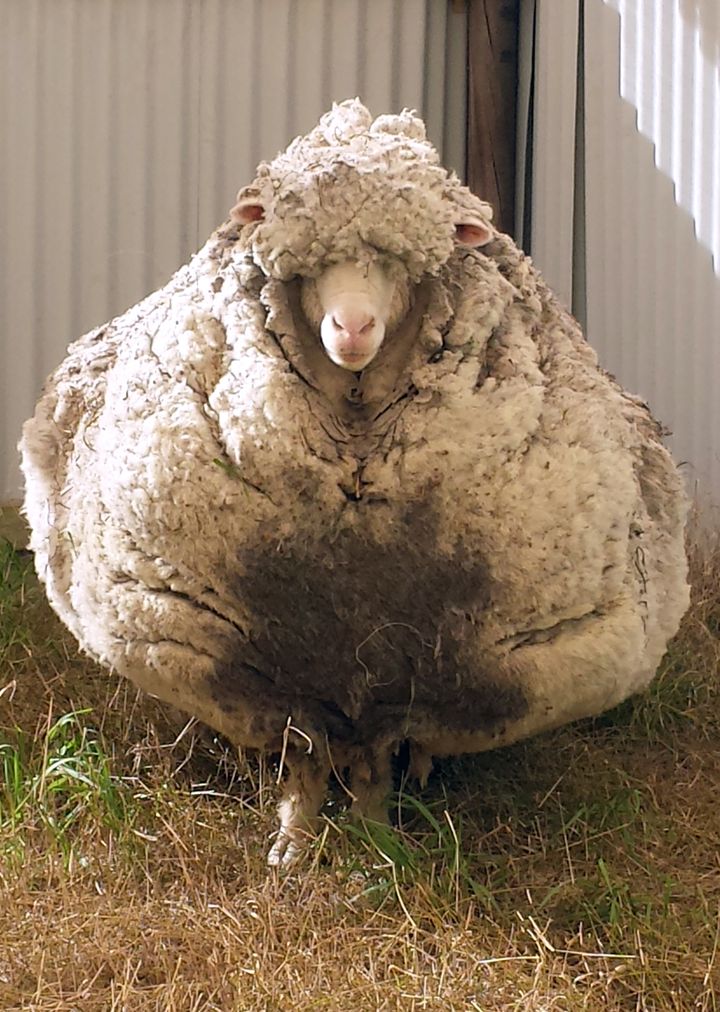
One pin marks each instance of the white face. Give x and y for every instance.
(354, 305)
(357, 307)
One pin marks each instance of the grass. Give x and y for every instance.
(578, 870)
(68, 782)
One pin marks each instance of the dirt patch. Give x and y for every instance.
(377, 661)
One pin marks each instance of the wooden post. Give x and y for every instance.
(493, 72)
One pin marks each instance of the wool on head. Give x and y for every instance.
(354, 188)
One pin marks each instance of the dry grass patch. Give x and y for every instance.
(578, 870)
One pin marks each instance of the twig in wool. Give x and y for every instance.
(286, 735)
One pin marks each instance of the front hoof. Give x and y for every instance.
(285, 852)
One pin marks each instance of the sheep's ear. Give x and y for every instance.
(473, 233)
(247, 211)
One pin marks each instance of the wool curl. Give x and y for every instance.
(354, 188)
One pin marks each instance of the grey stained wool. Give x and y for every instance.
(476, 537)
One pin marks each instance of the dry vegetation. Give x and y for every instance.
(575, 871)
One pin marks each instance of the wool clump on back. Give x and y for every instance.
(353, 478)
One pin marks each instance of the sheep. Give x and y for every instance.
(353, 478)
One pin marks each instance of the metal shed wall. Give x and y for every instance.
(127, 127)
(626, 200)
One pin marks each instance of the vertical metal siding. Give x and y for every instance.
(652, 204)
(552, 226)
(651, 164)
(526, 77)
(128, 126)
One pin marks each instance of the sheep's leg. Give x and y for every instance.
(420, 765)
(302, 798)
(371, 784)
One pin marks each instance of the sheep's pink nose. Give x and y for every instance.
(354, 323)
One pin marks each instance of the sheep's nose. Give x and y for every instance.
(352, 322)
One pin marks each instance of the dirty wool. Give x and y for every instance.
(476, 536)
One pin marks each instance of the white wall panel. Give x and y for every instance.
(552, 224)
(127, 127)
(652, 200)
(649, 251)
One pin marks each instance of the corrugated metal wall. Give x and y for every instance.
(643, 197)
(127, 127)
(555, 101)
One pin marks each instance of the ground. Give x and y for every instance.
(578, 870)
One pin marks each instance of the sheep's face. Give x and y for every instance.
(352, 306)
(363, 212)
(344, 216)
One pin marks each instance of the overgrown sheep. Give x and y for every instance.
(353, 478)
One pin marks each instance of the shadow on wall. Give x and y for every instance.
(704, 15)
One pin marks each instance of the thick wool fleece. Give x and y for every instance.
(478, 537)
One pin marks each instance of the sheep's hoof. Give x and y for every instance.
(285, 852)
(298, 812)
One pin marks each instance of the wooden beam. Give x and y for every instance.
(493, 73)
